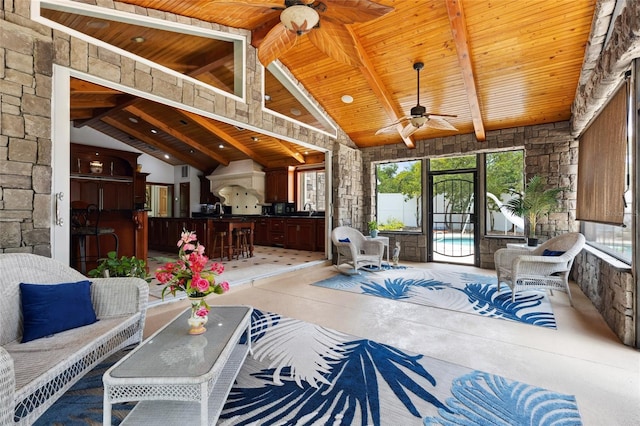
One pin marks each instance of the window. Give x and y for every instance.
(504, 177)
(311, 190)
(399, 196)
(605, 190)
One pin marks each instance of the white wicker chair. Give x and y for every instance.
(523, 269)
(358, 251)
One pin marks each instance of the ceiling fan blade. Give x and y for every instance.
(395, 123)
(336, 41)
(430, 114)
(408, 130)
(270, 4)
(275, 44)
(439, 123)
(350, 11)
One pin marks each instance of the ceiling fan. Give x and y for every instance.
(324, 22)
(419, 116)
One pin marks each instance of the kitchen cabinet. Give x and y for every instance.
(279, 186)
(301, 234)
(206, 196)
(109, 179)
(277, 228)
(261, 232)
(320, 235)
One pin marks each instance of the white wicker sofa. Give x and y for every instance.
(35, 374)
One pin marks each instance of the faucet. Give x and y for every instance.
(218, 205)
(310, 208)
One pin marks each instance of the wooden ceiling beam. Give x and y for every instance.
(150, 141)
(220, 133)
(458, 24)
(178, 135)
(380, 90)
(291, 153)
(211, 126)
(121, 103)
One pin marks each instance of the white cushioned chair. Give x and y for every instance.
(546, 267)
(355, 249)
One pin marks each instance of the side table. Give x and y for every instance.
(385, 241)
(521, 246)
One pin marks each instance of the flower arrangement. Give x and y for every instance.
(188, 273)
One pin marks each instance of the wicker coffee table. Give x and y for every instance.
(180, 378)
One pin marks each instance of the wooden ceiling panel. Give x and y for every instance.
(525, 61)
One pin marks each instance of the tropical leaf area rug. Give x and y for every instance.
(303, 374)
(457, 291)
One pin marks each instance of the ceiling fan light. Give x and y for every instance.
(299, 19)
(418, 121)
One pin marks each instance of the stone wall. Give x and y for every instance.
(550, 151)
(28, 52)
(610, 286)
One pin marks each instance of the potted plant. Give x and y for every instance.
(111, 266)
(533, 203)
(373, 228)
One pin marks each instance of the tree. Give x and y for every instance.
(504, 175)
(386, 175)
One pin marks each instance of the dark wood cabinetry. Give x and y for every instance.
(108, 179)
(276, 229)
(279, 186)
(206, 196)
(261, 232)
(301, 234)
(320, 235)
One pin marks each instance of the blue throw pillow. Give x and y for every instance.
(344, 240)
(49, 309)
(547, 252)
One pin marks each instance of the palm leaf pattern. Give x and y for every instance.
(481, 399)
(351, 388)
(457, 291)
(400, 288)
(302, 349)
(343, 385)
(491, 302)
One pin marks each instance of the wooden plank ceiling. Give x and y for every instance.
(494, 64)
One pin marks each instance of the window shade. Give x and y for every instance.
(602, 153)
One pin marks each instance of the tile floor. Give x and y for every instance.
(582, 357)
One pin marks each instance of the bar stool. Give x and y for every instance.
(221, 237)
(85, 222)
(239, 243)
(246, 233)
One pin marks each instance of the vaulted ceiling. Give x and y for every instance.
(490, 64)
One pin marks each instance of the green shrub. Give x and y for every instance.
(111, 266)
(392, 224)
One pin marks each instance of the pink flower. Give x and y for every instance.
(217, 268)
(224, 285)
(164, 276)
(186, 237)
(188, 247)
(202, 311)
(200, 284)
